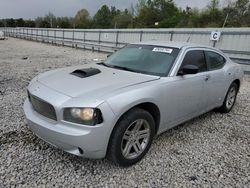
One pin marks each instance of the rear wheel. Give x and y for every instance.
(230, 99)
(132, 137)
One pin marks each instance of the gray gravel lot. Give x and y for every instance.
(212, 150)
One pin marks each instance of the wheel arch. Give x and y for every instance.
(150, 107)
(237, 81)
(153, 110)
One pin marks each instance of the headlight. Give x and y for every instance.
(86, 116)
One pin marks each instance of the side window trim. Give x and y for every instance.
(207, 64)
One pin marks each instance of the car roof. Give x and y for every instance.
(173, 44)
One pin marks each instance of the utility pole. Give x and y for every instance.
(225, 21)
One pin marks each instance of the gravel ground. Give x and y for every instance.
(212, 150)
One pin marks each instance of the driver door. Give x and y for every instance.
(185, 97)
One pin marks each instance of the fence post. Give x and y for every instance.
(99, 39)
(171, 35)
(141, 33)
(32, 34)
(55, 36)
(63, 38)
(73, 38)
(214, 43)
(48, 34)
(117, 38)
(42, 38)
(84, 39)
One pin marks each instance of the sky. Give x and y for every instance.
(30, 9)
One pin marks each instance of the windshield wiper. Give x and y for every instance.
(124, 68)
(104, 64)
(117, 67)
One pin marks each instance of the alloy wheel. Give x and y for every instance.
(231, 98)
(135, 139)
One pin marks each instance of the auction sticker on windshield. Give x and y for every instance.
(164, 50)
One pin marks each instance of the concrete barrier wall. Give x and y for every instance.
(233, 41)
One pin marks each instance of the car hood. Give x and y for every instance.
(104, 82)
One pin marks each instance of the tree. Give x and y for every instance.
(238, 13)
(2, 23)
(82, 19)
(38, 21)
(103, 18)
(123, 19)
(29, 23)
(163, 11)
(51, 19)
(64, 22)
(215, 14)
(45, 24)
(248, 16)
(20, 22)
(147, 15)
(10, 22)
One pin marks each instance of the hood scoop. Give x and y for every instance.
(84, 73)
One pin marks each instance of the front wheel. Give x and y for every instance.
(230, 99)
(131, 137)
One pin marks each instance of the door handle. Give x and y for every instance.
(207, 77)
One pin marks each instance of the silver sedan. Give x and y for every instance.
(115, 108)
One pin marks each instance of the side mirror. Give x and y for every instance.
(189, 69)
(109, 55)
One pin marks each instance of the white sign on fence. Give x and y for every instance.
(215, 35)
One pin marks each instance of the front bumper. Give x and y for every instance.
(85, 141)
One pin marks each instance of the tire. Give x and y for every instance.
(230, 99)
(125, 148)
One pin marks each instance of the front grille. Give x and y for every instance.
(42, 107)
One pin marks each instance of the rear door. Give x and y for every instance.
(215, 86)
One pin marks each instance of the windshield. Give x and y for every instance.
(147, 59)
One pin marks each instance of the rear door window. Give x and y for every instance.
(214, 60)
